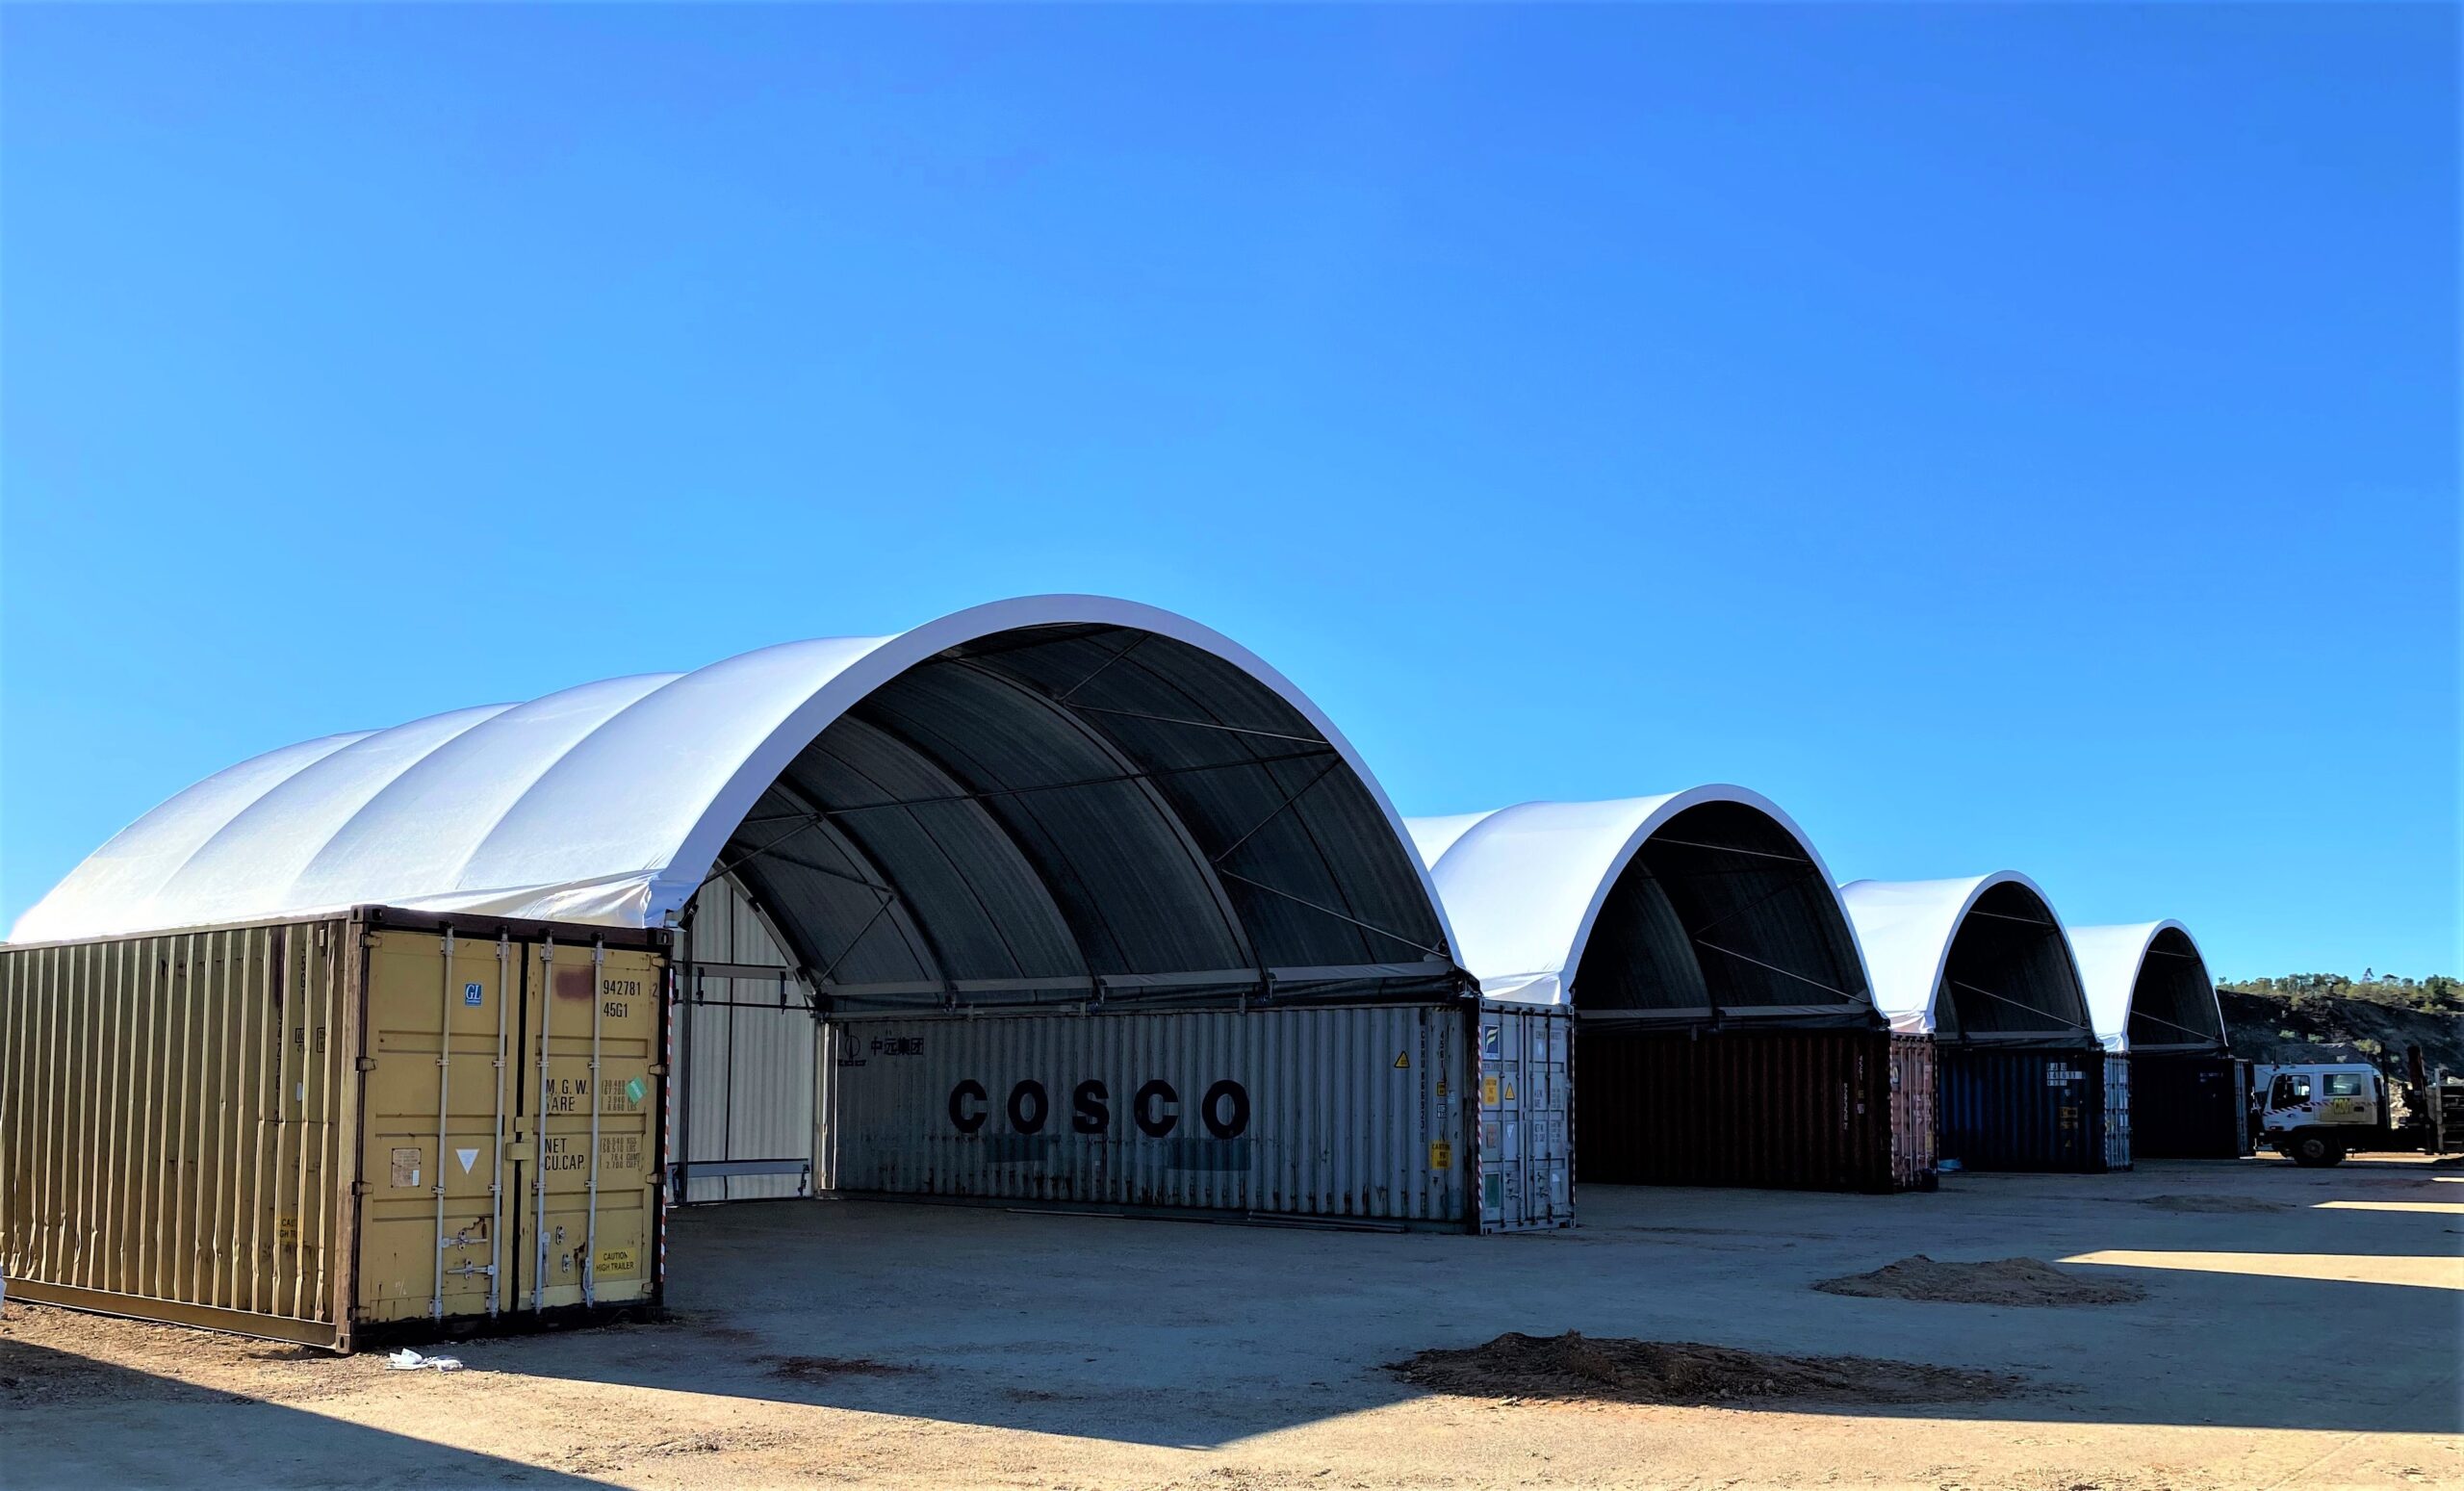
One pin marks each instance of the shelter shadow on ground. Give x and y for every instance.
(45, 1440)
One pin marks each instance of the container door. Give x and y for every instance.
(2117, 1137)
(2078, 1137)
(587, 1099)
(1525, 1161)
(434, 1107)
(1913, 1081)
(2246, 1127)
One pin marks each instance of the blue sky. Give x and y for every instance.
(2007, 435)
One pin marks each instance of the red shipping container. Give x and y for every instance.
(1820, 1110)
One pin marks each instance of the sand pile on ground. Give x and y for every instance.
(824, 1369)
(1579, 1367)
(2028, 1281)
(2210, 1203)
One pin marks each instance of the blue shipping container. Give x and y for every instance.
(2023, 1110)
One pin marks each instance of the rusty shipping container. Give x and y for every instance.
(308, 1130)
(2189, 1107)
(1447, 1116)
(2023, 1110)
(1826, 1109)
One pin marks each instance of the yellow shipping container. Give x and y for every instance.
(302, 1129)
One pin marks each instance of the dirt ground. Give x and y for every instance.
(2298, 1328)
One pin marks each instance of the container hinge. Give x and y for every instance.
(369, 1064)
(361, 1187)
(657, 1068)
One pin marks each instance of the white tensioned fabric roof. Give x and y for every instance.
(1524, 887)
(1910, 928)
(1032, 794)
(2151, 976)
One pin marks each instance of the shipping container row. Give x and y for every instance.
(313, 1129)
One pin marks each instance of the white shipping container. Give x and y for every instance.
(744, 1041)
(1368, 1114)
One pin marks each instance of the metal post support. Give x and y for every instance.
(539, 1130)
(590, 1224)
(495, 1133)
(444, 1092)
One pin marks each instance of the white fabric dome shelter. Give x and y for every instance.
(1049, 798)
(1978, 959)
(2148, 989)
(1701, 907)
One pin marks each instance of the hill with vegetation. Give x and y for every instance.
(2328, 1016)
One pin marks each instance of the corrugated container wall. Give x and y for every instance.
(2189, 1107)
(744, 1041)
(1364, 1114)
(2023, 1110)
(2116, 1111)
(306, 1128)
(1829, 1110)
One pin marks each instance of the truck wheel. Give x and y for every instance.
(2313, 1150)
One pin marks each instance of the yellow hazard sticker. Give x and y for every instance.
(615, 1260)
(1441, 1155)
(1402, 1061)
(1488, 1089)
(1509, 1092)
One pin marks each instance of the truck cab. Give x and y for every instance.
(2315, 1113)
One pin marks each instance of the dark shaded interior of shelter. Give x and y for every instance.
(2009, 978)
(1083, 814)
(1721, 915)
(2173, 1006)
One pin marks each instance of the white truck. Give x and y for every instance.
(2316, 1113)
